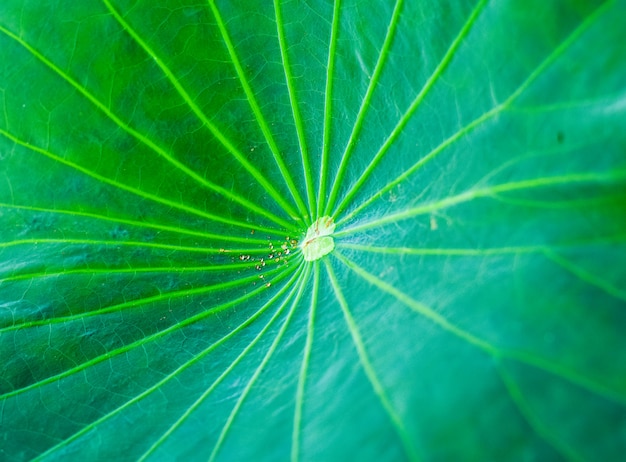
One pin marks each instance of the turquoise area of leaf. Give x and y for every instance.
(162, 161)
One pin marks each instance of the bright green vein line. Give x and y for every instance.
(444, 251)
(365, 104)
(431, 155)
(439, 70)
(328, 101)
(167, 378)
(219, 380)
(230, 147)
(558, 52)
(479, 120)
(492, 350)
(257, 111)
(306, 357)
(142, 138)
(565, 373)
(144, 301)
(133, 271)
(424, 310)
(153, 245)
(548, 251)
(125, 187)
(564, 204)
(259, 369)
(295, 110)
(538, 427)
(572, 178)
(369, 369)
(142, 224)
(585, 275)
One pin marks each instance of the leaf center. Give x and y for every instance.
(318, 240)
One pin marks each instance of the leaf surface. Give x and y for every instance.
(160, 164)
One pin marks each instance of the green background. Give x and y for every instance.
(160, 163)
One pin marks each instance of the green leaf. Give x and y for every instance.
(161, 163)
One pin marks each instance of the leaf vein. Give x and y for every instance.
(142, 138)
(443, 64)
(259, 369)
(299, 123)
(222, 376)
(230, 147)
(369, 369)
(257, 110)
(174, 373)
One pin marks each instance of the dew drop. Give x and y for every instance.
(318, 240)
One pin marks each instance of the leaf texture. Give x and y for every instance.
(161, 162)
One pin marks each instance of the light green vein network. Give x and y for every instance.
(157, 335)
(120, 243)
(132, 271)
(136, 191)
(551, 252)
(297, 117)
(371, 374)
(541, 429)
(384, 52)
(279, 335)
(154, 447)
(257, 111)
(140, 137)
(230, 147)
(299, 272)
(543, 66)
(141, 224)
(233, 303)
(447, 58)
(492, 350)
(306, 358)
(328, 110)
(470, 195)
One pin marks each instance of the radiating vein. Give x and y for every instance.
(548, 251)
(462, 252)
(476, 122)
(541, 429)
(379, 390)
(175, 373)
(356, 129)
(306, 357)
(222, 376)
(119, 243)
(492, 350)
(472, 194)
(299, 123)
(559, 50)
(586, 276)
(439, 70)
(230, 147)
(165, 296)
(302, 283)
(419, 308)
(565, 373)
(588, 203)
(257, 111)
(130, 189)
(431, 155)
(142, 138)
(139, 270)
(143, 224)
(328, 105)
